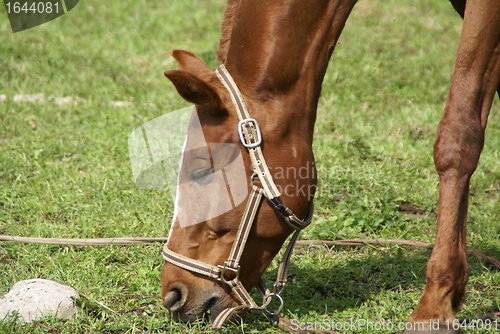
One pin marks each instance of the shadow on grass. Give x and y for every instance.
(340, 281)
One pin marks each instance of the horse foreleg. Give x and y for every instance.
(458, 145)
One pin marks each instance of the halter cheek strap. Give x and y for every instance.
(250, 135)
(251, 138)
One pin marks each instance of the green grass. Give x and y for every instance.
(64, 169)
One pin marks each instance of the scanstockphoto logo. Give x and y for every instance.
(170, 153)
(31, 13)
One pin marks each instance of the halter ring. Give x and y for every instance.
(225, 268)
(279, 298)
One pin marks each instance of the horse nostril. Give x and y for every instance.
(176, 297)
(172, 299)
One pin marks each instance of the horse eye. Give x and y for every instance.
(200, 175)
(221, 232)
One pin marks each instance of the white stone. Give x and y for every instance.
(120, 104)
(35, 299)
(30, 98)
(68, 100)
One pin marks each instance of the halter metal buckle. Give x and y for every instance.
(246, 141)
(225, 268)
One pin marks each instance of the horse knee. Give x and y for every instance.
(458, 145)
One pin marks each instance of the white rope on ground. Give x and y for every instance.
(82, 242)
(140, 240)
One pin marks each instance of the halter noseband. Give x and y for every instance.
(251, 138)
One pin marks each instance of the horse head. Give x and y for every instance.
(217, 180)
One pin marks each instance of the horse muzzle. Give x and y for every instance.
(188, 305)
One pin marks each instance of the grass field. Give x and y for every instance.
(65, 173)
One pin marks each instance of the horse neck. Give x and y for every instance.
(278, 52)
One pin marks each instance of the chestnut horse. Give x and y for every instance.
(275, 54)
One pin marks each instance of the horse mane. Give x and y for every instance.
(226, 29)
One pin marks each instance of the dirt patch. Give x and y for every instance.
(5, 257)
(411, 210)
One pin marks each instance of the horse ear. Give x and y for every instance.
(192, 82)
(196, 91)
(190, 62)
